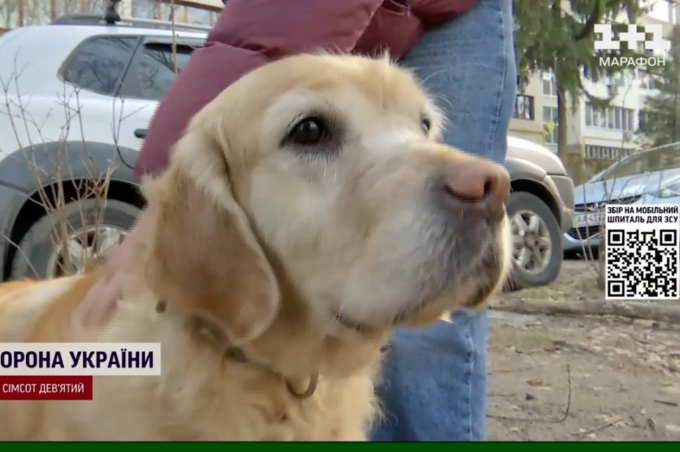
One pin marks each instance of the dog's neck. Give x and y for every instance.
(216, 335)
(294, 347)
(291, 349)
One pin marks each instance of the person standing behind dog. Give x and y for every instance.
(463, 52)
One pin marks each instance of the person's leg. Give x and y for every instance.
(435, 379)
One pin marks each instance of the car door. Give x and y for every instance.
(147, 80)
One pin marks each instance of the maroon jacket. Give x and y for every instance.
(251, 33)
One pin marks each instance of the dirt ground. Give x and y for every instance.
(584, 378)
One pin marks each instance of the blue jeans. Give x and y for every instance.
(435, 381)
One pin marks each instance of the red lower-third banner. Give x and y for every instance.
(60, 387)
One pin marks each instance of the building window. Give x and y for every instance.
(162, 10)
(157, 10)
(650, 81)
(549, 85)
(145, 9)
(198, 16)
(524, 107)
(37, 12)
(617, 118)
(630, 119)
(606, 153)
(9, 15)
(64, 7)
(614, 118)
(93, 6)
(178, 13)
(617, 79)
(642, 118)
(647, 80)
(551, 125)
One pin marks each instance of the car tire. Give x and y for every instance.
(520, 278)
(32, 259)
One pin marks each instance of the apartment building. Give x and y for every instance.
(608, 134)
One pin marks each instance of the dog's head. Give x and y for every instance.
(318, 182)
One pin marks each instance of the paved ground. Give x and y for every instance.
(623, 375)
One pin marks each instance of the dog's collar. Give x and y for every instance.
(237, 355)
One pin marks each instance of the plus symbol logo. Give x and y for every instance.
(632, 37)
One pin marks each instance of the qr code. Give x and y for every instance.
(642, 264)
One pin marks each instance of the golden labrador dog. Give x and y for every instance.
(307, 212)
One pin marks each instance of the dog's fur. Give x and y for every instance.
(305, 256)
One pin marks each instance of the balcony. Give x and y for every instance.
(524, 107)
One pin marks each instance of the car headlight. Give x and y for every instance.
(670, 191)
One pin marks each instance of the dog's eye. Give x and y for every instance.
(308, 132)
(425, 123)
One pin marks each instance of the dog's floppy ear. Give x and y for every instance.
(202, 254)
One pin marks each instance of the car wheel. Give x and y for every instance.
(90, 232)
(536, 242)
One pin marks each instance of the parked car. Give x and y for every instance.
(540, 211)
(81, 94)
(648, 177)
(77, 98)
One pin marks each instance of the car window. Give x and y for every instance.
(598, 177)
(646, 162)
(156, 68)
(670, 158)
(99, 64)
(638, 165)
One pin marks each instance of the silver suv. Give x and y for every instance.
(78, 96)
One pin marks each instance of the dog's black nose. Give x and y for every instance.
(479, 187)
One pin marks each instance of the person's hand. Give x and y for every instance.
(100, 302)
(102, 299)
